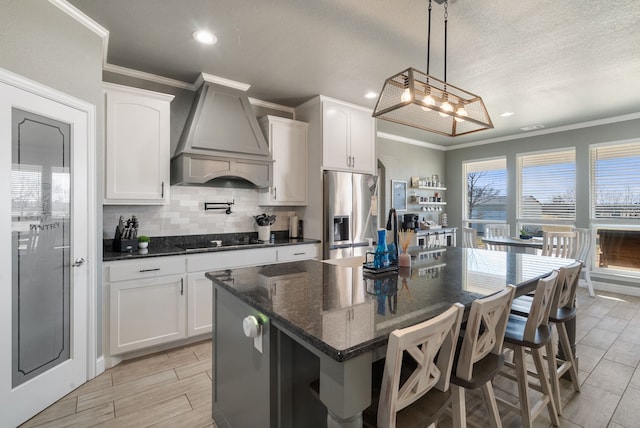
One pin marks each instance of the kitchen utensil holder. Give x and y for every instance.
(264, 233)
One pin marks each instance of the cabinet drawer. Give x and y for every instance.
(147, 268)
(297, 252)
(230, 259)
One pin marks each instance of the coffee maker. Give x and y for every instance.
(409, 222)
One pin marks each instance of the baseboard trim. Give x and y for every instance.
(613, 288)
(100, 366)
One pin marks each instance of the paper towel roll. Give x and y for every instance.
(293, 226)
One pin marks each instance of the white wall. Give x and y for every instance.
(44, 44)
(402, 161)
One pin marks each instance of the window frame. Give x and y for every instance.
(466, 220)
(542, 221)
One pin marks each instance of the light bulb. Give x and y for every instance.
(428, 101)
(205, 37)
(406, 95)
(446, 107)
(462, 112)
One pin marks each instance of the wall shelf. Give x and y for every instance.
(428, 188)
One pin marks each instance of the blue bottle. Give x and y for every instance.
(381, 257)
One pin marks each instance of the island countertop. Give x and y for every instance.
(344, 312)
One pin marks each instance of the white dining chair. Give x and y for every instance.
(583, 253)
(559, 244)
(498, 230)
(416, 394)
(469, 237)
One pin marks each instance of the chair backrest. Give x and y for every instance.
(541, 305)
(432, 345)
(497, 230)
(559, 244)
(584, 246)
(566, 286)
(485, 329)
(469, 237)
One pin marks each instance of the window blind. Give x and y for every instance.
(547, 183)
(615, 181)
(486, 189)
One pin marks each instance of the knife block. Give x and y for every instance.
(123, 245)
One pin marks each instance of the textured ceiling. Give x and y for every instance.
(553, 63)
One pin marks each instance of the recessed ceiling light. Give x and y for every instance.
(532, 127)
(507, 114)
(371, 95)
(205, 37)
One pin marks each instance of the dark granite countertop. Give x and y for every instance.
(194, 244)
(313, 297)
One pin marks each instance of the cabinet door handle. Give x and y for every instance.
(275, 193)
(149, 270)
(182, 286)
(162, 190)
(353, 161)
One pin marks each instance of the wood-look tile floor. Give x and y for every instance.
(173, 388)
(167, 389)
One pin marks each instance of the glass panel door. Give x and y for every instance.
(41, 236)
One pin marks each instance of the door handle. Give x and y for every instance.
(79, 262)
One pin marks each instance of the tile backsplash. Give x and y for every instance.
(185, 214)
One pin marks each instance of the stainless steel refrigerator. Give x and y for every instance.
(350, 213)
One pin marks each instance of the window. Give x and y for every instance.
(615, 207)
(615, 181)
(547, 187)
(486, 192)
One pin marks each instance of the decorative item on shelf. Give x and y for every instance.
(443, 220)
(143, 241)
(525, 234)
(405, 237)
(416, 99)
(264, 223)
(126, 235)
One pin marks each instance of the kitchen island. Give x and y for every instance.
(311, 320)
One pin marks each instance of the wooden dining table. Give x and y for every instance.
(331, 321)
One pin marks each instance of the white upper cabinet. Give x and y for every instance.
(288, 145)
(348, 138)
(137, 146)
(341, 135)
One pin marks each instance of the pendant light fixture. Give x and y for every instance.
(419, 100)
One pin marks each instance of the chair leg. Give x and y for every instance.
(552, 366)
(546, 388)
(492, 406)
(566, 349)
(523, 385)
(458, 405)
(587, 278)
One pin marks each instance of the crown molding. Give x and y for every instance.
(572, 127)
(412, 141)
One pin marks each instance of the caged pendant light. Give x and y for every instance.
(416, 99)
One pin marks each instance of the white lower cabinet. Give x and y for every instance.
(146, 312)
(159, 300)
(146, 301)
(200, 304)
(298, 252)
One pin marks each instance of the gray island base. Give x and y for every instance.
(294, 343)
